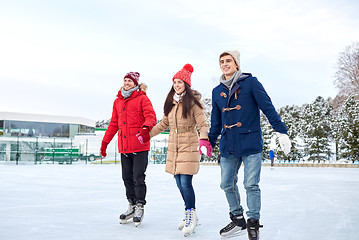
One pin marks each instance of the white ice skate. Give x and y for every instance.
(183, 222)
(190, 222)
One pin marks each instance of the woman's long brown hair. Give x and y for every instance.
(187, 100)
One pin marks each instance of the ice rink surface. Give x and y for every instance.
(83, 202)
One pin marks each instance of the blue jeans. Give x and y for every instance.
(184, 184)
(229, 178)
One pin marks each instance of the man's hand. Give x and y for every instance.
(103, 149)
(284, 142)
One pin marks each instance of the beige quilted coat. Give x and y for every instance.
(183, 156)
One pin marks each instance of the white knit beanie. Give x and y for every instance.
(235, 54)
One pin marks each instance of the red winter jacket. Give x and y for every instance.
(128, 117)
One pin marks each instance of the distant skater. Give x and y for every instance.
(132, 114)
(271, 157)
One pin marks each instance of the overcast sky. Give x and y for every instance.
(69, 57)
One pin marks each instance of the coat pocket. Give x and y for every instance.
(249, 142)
(119, 134)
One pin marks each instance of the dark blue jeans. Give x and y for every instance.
(184, 184)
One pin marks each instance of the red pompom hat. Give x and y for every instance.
(184, 74)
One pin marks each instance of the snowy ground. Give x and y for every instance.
(83, 202)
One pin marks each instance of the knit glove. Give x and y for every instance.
(284, 142)
(103, 148)
(205, 143)
(144, 135)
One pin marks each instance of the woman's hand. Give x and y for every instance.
(144, 135)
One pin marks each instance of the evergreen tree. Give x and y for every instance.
(291, 117)
(349, 129)
(207, 103)
(103, 123)
(316, 120)
(266, 135)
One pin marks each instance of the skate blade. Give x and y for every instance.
(235, 234)
(137, 224)
(124, 221)
(188, 234)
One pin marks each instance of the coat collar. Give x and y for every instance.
(237, 85)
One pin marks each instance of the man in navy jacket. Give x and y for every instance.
(236, 105)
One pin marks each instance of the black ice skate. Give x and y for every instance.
(234, 228)
(253, 229)
(139, 213)
(128, 215)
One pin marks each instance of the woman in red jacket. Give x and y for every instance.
(132, 115)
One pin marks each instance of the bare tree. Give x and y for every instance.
(347, 75)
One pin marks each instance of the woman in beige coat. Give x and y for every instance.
(182, 113)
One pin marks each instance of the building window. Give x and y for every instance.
(86, 129)
(37, 129)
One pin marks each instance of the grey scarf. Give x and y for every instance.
(230, 82)
(127, 94)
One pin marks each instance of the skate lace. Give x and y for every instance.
(130, 209)
(138, 211)
(189, 216)
(230, 226)
(253, 230)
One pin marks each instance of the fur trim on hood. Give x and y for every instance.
(196, 94)
(142, 87)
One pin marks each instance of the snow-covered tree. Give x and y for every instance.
(291, 117)
(103, 123)
(267, 133)
(316, 131)
(347, 74)
(349, 129)
(207, 103)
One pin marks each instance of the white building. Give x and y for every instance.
(28, 137)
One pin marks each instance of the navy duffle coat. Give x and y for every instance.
(236, 117)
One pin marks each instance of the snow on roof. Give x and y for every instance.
(30, 117)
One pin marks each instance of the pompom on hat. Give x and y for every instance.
(235, 54)
(134, 76)
(184, 74)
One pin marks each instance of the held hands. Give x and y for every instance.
(284, 142)
(144, 135)
(205, 143)
(103, 149)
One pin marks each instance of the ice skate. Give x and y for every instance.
(183, 222)
(139, 214)
(190, 222)
(253, 229)
(128, 215)
(235, 228)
